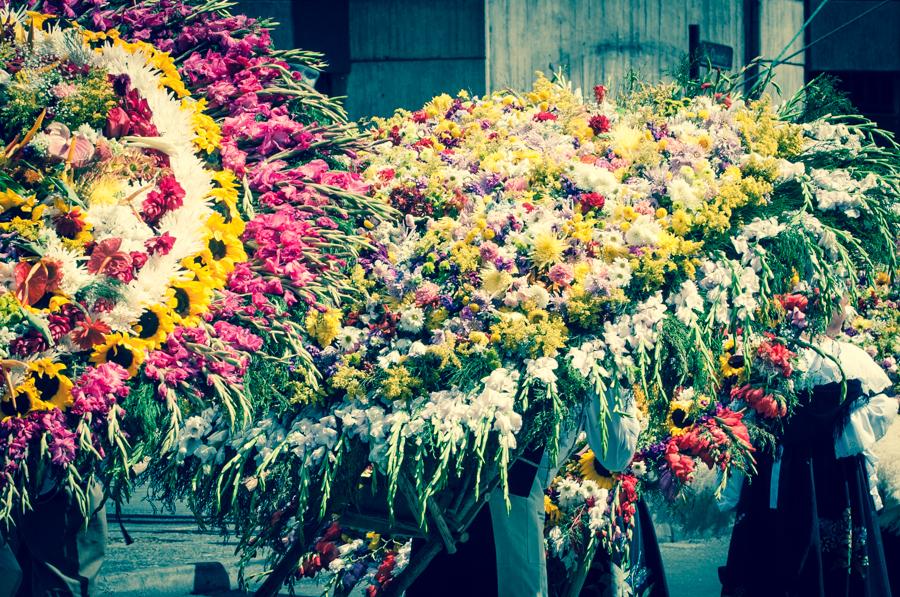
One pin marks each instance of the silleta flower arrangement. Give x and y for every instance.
(114, 229)
(668, 247)
(551, 248)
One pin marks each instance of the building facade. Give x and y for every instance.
(386, 54)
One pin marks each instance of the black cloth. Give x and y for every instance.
(822, 539)
(472, 570)
(891, 544)
(645, 574)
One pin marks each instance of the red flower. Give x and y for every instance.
(160, 245)
(166, 197)
(734, 421)
(599, 124)
(778, 356)
(109, 260)
(69, 224)
(88, 333)
(680, 464)
(118, 123)
(34, 280)
(599, 93)
(544, 116)
(793, 301)
(591, 201)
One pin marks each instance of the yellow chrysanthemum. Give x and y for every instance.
(123, 350)
(207, 133)
(547, 250)
(324, 327)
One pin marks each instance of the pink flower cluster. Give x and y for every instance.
(192, 354)
(94, 395)
(228, 60)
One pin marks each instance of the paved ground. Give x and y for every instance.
(162, 546)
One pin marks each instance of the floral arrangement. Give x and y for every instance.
(554, 248)
(179, 297)
(550, 248)
(876, 325)
(114, 229)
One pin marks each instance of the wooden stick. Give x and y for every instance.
(434, 513)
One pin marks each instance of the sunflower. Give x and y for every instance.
(222, 250)
(188, 300)
(25, 400)
(732, 365)
(154, 325)
(591, 469)
(123, 350)
(52, 386)
(679, 417)
(552, 511)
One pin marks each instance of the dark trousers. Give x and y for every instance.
(57, 552)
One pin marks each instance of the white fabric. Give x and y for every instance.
(519, 531)
(868, 423)
(623, 429)
(773, 483)
(857, 364)
(731, 493)
(887, 453)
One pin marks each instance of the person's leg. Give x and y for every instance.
(64, 553)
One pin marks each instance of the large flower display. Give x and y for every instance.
(666, 249)
(145, 284)
(114, 229)
(407, 331)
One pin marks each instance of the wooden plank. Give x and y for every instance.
(377, 88)
(601, 40)
(780, 20)
(416, 29)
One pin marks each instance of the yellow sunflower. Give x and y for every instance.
(679, 418)
(123, 350)
(23, 402)
(593, 470)
(53, 388)
(154, 326)
(552, 511)
(188, 300)
(222, 249)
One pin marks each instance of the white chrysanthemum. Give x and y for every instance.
(644, 231)
(595, 179)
